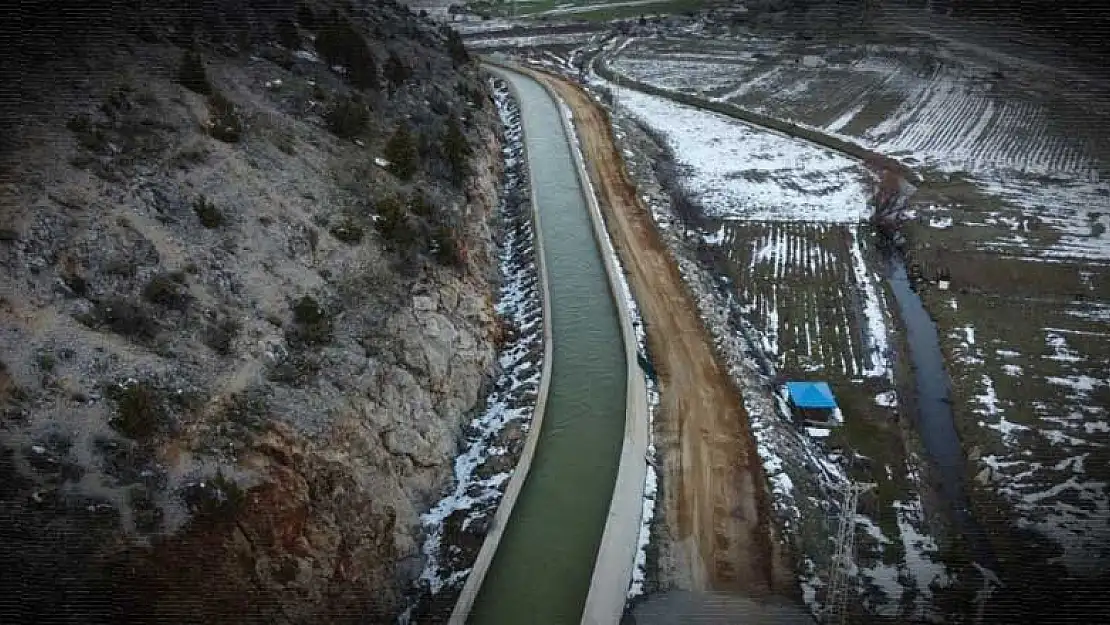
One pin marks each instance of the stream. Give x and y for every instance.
(933, 418)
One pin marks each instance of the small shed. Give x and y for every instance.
(813, 403)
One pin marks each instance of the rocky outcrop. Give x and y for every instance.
(239, 342)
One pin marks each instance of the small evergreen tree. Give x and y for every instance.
(305, 17)
(396, 72)
(288, 35)
(364, 73)
(192, 75)
(457, 151)
(455, 47)
(394, 222)
(340, 44)
(224, 121)
(400, 151)
(347, 118)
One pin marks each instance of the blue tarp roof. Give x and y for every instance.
(811, 394)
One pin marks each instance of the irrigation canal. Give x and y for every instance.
(544, 561)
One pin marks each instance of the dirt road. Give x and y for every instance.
(716, 504)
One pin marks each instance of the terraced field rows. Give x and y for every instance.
(952, 120)
(797, 282)
(1038, 377)
(940, 114)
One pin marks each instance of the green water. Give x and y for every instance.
(542, 568)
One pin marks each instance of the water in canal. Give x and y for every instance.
(935, 422)
(542, 568)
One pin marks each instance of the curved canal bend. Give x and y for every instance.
(544, 562)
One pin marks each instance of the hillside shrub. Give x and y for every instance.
(394, 222)
(396, 72)
(400, 151)
(339, 43)
(456, 150)
(312, 323)
(192, 75)
(207, 213)
(347, 231)
(127, 318)
(168, 290)
(139, 411)
(224, 122)
(455, 47)
(288, 35)
(348, 117)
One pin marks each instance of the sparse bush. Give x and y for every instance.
(347, 231)
(400, 151)
(215, 498)
(224, 122)
(209, 215)
(127, 318)
(448, 249)
(139, 411)
(284, 142)
(394, 222)
(221, 334)
(312, 324)
(79, 123)
(193, 155)
(347, 118)
(456, 150)
(191, 74)
(295, 369)
(421, 206)
(168, 290)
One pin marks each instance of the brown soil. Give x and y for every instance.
(715, 502)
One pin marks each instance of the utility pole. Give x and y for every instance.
(836, 597)
(990, 582)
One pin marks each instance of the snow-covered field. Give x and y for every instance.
(528, 41)
(476, 490)
(938, 113)
(1038, 382)
(817, 303)
(736, 171)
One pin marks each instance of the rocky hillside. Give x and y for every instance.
(245, 305)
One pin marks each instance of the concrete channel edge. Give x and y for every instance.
(616, 555)
(473, 584)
